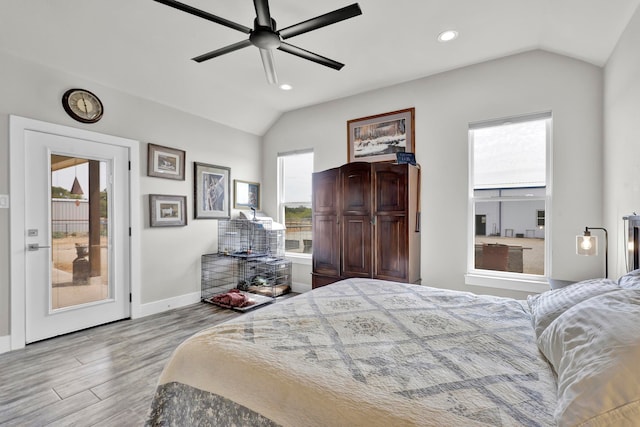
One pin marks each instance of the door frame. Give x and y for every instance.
(17, 263)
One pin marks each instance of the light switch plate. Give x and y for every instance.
(4, 201)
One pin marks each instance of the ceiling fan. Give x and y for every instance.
(266, 37)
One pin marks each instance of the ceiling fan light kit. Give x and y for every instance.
(267, 38)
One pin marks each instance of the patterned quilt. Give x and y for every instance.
(363, 352)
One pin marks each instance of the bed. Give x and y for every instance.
(365, 352)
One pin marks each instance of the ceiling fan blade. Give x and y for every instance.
(222, 51)
(269, 66)
(205, 15)
(305, 54)
(263, 15)
(321, 21)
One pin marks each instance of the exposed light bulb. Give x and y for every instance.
(286, 86)
(586, 243)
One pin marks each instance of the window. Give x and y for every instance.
(294, 199)
(509, 190)
(540, 218)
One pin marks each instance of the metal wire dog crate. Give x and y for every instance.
(250, 237)
(249, 258)
(272, 277)
(216, 275)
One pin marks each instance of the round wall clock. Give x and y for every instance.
(82, 105)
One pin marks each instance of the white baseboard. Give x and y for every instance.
(5, 344)
(300, 287)
(168, 304)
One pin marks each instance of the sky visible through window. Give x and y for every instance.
(508, 156)
(297, 181)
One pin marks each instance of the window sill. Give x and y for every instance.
(511, 283)
(295, 258)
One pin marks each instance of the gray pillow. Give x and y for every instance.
(630, 280)
(594, 348)
(547, 306)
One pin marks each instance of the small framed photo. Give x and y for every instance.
(165, 162)
(246, 194)
(211, 191)
(167, 211)
(378, 138)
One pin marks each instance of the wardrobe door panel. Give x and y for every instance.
(356, 188)
(325, 186)
(326, 231)
(390, 188)
(356, 246)
(391, 260)
(326, 245)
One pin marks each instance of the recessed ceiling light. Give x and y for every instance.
(447, 36)
(285, 86)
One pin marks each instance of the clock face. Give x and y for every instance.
(82, 105)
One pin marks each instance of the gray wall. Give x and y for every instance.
(170, 256)
(445, 105)
(622, 140)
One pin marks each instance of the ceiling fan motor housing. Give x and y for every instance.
(265, 37)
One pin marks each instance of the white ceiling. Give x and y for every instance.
(144, 48)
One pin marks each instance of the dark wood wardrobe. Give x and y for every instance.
(366, 223)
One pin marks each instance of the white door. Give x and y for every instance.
(77, 223)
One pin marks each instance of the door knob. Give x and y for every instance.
(35, 247)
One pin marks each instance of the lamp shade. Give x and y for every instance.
(587, 245)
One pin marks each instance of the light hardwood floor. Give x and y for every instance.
(103, 376)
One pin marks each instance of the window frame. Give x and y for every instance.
(502, 279)
(298, 257)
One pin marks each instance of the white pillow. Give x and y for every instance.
(630, 280)
(594, 348)
(547, 306)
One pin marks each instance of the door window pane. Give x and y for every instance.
(79, 231)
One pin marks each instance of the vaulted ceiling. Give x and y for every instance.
(145, 48)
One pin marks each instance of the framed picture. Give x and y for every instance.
(165, 162)
(167, 211)
(211, 191)
(378, 138)
(246, 194)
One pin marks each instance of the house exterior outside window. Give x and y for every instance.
(509, 194)
(294, 200)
